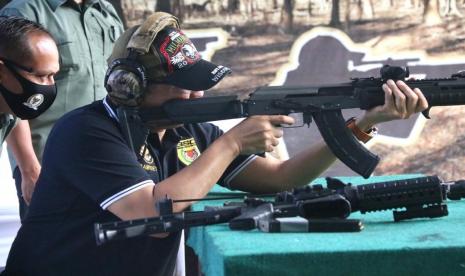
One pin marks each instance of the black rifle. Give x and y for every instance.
(323, 104)
(258, 208)
(320, 209)
(422, 197)
(298, 216)
(165, 223)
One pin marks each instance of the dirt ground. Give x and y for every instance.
(256, 50)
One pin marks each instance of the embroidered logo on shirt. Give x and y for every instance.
(149, 164)
(187, 151)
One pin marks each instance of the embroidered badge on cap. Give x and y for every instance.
(187, 151)
(179, 51)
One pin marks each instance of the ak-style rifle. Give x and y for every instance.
(323, 104)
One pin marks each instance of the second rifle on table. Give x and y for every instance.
(326, 208)
(312, 208)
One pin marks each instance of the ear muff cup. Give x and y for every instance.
(125, 81)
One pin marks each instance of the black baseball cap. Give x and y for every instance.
(173, 59)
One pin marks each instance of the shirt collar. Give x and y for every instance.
(5, 119)
(54, 4)
(175, 134)
(110, 108)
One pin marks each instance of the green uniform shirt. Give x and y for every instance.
(7, 123)
(85, 36)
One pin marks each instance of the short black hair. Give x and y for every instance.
(14, 37)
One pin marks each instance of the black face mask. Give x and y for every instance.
(34, 100)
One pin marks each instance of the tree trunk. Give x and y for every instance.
(233, 5)
(275, 4)
(368, 9)
(163, 6)
(130, 10)
(431, 14)
(417, 3)
(268, 13)
(359, 10)
(288, 16)
(178, 9)
(335, 19)
(117, 4)
(217, 7)
(146, 4)
(347, 16)
(451, 9)
(365, 9)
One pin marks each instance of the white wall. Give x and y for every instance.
(9, 217)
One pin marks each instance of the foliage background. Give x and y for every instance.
(262, 33)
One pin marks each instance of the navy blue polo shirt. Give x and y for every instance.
(87, 166)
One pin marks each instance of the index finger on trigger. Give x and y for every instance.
(281, 120)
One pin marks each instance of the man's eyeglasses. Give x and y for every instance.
(10, 63)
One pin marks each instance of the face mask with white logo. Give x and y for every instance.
(35, 99)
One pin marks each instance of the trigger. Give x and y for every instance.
(307, 117)
(426, 113)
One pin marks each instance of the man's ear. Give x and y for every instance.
(2, 65)
(2, 70)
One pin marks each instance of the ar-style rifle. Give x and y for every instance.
(421, 197)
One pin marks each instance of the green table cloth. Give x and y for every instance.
(415, 247)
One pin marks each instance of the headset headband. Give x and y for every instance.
(144, 36)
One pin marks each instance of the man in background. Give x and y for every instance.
(85, 31)
(28, 64)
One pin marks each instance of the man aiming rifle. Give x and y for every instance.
(104, 167)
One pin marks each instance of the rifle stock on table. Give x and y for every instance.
(323, 104)
(105, 232)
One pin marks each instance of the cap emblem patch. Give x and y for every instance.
(178, 51)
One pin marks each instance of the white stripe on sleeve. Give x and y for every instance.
(107, 202)
(238, 169)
